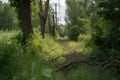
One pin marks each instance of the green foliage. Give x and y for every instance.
(74, 33)
(23, 61)
(8, 20)
(106, 48)
(83, 72)
(35, 16)
(110, 9)
(32, 61)
(5, 35)
(18, 37)
(84, 25)
(82, 13)
(107, 33)
(33, 46)
(13, 3)
(8, 52)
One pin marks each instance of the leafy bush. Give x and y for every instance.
(8, 53)
(23, 62)
(74, 33)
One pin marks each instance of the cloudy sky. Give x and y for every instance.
(4, 0)
(61, 8)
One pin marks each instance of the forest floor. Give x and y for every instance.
(77, 70)
(59, 48)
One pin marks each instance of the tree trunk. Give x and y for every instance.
(43, 16)
(49, 22)
(25, 18)
(53, 30)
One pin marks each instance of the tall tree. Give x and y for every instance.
(24, 14)
(7, 17)
(43, 16)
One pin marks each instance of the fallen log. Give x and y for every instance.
(71, 59)
(75, 58)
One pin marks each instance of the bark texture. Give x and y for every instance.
(25, 17)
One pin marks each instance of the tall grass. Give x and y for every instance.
(7, 34)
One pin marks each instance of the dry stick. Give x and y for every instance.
(117, 61)
(107, 61)
(107, 65)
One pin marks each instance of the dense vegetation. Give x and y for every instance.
(89, 51)
(8, 19)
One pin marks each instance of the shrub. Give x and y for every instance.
(23, 62)
(74, 33)
(8, 53)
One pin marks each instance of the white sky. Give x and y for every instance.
(4, 0)
(61, 9)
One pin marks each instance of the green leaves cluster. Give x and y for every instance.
(74, 33)
(110, 9)
(83, 14)
(8, 20)
(13, 3)
(107, 37)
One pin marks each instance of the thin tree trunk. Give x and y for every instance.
(49, 22)
(25, 18)
(53, 30)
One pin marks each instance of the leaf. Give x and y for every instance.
(47, 72)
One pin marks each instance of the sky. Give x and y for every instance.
(61, 9)
(4, 0)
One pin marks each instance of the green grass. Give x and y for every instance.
(7, 34)
(32, 61)
(83, 72)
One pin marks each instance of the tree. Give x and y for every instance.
(110, 11)
(83, 13)
(24, 15)
(43, 16)
(46, 20)
(7, 17)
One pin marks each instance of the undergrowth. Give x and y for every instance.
(33, 61)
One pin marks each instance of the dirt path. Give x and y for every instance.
(64, 43)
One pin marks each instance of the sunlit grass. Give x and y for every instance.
(7, 34)
(82, 45)
(49, 47)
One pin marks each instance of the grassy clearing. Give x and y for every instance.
(7, 34)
